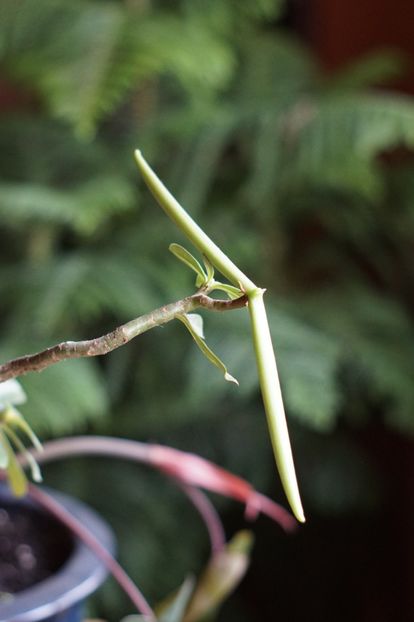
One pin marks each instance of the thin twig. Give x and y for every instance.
(209, 515)
(116, 338)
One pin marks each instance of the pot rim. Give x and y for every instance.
(77, 578)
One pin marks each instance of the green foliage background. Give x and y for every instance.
(284, 167)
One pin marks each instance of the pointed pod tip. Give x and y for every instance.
(295, 503)
(300, 515)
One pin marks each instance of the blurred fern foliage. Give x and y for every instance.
(291, 172)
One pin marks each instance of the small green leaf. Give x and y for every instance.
(4, 456)
(231, 291)
(17, 478)
(14, 418)
(174, 608)
(34, 467)
(213, 358)
(220, 578)
(197, 323)
(209, 268)
(187, 258)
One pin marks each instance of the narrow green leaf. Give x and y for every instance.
(220, 578)
(209, 354)
(174, 608)
(4, 456)
(15, 418)
(17, 478)
(209, 268)
(231, 291)
(34, 467)
(189, 260)
(197, 323)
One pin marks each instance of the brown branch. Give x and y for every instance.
(116, 338)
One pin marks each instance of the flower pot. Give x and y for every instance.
(75, 570)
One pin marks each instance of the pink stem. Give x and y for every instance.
(128, 586)
(183, 467)
(139, 452)
(209, 514)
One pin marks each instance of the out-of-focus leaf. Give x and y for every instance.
(220, 578)
(19, 446)
(371, 70)
(82, 209)
(336, 143)
(174, 608)
(17, 478)
(4, 456)
(309, 361)
(11, 392)
(15, 419)
(65, 396)
(371, 329)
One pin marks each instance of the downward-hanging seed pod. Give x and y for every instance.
(266, 362)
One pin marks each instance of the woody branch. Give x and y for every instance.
(116, 338)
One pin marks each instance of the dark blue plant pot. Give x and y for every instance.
(60, 598)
